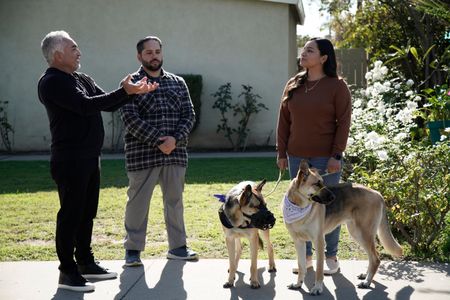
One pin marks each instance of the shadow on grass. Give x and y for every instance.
(34, 176)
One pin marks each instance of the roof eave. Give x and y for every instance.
(298, 8)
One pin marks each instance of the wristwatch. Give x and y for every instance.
(337, 156)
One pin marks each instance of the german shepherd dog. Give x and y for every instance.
(361, 208)
(243, 214)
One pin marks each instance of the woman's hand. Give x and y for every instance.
(282, 163)
(333, 165)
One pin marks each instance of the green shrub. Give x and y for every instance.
(416, 188)
(412, 175)
(195, 86)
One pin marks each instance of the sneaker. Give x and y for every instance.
(309, 264)
(183, 253)
(74, 282)
(95, 271)
(333, 266)
(133, 258)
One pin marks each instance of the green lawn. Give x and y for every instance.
(29, 203)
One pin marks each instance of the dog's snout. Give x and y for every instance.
(325, 196)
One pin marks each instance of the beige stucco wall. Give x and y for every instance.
(238, 41)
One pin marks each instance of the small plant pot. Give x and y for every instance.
(435, 129)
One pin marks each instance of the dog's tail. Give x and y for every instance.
(386, 238)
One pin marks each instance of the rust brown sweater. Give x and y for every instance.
(316, 123)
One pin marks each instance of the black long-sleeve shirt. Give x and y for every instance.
(73, 103)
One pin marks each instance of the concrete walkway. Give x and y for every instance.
(170, 279)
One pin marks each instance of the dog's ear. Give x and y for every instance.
(304, 166)
(302, 171)
(300, 176)
(260, 185)
(246, 195)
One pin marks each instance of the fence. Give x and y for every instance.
(352, 65)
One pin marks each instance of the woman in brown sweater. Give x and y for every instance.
(314, 124)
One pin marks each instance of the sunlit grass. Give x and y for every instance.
(29, 203)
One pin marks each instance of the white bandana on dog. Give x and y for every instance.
(292, 212)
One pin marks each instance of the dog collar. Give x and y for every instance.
(226, 222)
(292, 212)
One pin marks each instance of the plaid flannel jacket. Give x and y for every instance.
(167, 111)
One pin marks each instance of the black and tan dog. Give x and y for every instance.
(322, 209)
(243, 214)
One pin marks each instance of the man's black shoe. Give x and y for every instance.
(95, 271)
(74, 282)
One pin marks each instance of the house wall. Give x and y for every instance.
(238, 41)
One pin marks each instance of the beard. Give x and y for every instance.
(150, 66)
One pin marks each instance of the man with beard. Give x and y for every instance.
(157, 125)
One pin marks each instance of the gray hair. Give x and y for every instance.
(53, 42)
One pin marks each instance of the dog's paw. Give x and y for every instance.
(364, 285)
(316, 289)
(295, 286)
(255, 285)
(272, 270)
(362, 276)
(228, 285)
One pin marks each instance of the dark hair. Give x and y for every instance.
(140, 44)
(329, 67)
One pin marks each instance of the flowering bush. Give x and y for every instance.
(382, 118)
(412, 175)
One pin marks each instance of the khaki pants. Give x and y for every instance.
(140, 190)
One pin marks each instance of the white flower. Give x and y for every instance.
(443, 137)
(409, 82)
(384, 70)
(397, 86)
(417, 98)
(372, 103)
(368, 75)
(382, 155)
(399, 137)
(360, 136)
(405, 116)
(389, 112)
(380, 108)
(409, 93)
(357, 112)
(350, 141)
(373, 140)
(411, 105)
(447, 129)
(378, 64)
(357, 103)
(377, 75)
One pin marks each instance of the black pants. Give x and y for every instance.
(78, 184)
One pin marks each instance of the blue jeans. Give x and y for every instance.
(331, 239)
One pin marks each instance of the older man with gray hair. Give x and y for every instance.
(73, 102)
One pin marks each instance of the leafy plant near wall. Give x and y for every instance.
(195, 86)
(243, 110)
(5, 127)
